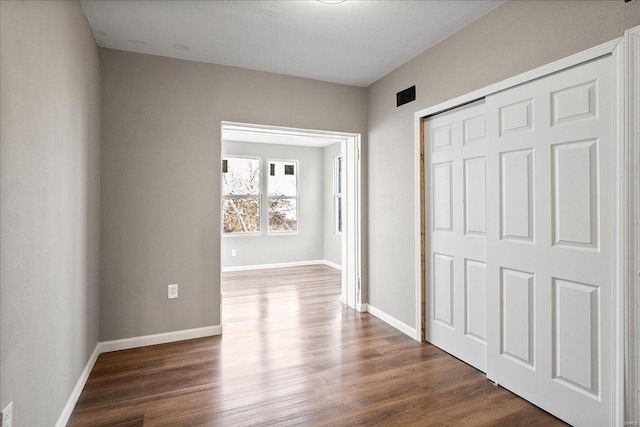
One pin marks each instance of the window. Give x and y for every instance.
(337, 191)
(282, 182)
(241, 195)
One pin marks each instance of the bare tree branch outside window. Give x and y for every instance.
(283, 196)
(241, 193)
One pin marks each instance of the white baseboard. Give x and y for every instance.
(167, 337)
(362, 307)
(402, 327)
(275, 265)
(332, 265)
(125, 344)
(77, 390)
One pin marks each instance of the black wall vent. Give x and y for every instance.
(406, 96)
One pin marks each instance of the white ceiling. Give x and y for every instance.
(355, 42)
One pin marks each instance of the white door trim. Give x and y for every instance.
(623, 170)
(632, 91)
(351, 240)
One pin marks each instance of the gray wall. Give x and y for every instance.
(516, 37)
(332, 241)
(161, 149)
(271, 249)
(49, 215)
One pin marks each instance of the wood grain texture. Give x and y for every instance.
(291, 354)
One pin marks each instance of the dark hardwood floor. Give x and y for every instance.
(291, 354)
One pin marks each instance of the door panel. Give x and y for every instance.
(475, 287)
(549, 268)
(516, 195)
(457, 280)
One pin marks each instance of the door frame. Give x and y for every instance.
(625, 171)
(351, 294)
(351, 235)
(632, 361)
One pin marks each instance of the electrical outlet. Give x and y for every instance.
(173, 293)
(7, 415)
(234, 252)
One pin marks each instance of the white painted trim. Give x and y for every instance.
(621, 230)
(332, 265)
(274, 265)
(417, 164)
(357, 255)
(77, 390)
(362, 307)
(632, 118)
(390, 320)
(622, 173)
(351, 243)
(283, 131)
(167, 337)
(561, 64)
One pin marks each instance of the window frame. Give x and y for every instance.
(338, 194)
(269, 197)
(225, 196)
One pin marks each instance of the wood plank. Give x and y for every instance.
(291, 354)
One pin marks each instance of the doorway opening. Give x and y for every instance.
(291, 197)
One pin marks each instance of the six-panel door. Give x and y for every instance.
(457, 293)
(549, 242)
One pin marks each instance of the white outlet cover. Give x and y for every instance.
(172, 292)
(7, 415)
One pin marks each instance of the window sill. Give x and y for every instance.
(282, 233)
(241, 234)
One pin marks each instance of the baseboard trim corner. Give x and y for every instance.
(77, 390)
(275, 265)
(125, 344)
(163, 338)
(332, 265)
(390, 320)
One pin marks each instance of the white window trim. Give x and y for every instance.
(296, 197)
(239, 196)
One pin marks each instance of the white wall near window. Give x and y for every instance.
(265, 247)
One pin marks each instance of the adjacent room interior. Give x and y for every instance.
(281, 196)
(319, 212)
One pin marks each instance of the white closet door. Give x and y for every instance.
(549, 236)
(456, 311)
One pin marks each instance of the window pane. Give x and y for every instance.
(283, 215)
(241, 214)
(282, 179)
(339, 175)
(242, 176)
(339, 214)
